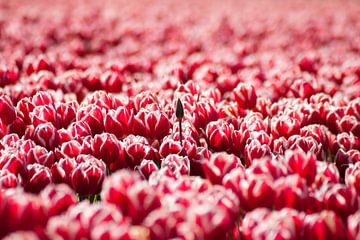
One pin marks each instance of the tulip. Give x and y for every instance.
(87, 177)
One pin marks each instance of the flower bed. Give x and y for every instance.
(179, 120)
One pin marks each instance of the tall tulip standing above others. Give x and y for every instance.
(179, 115)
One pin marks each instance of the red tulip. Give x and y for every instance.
(23, 212)
(40, 155)
(218, 135)
(245, 96)
(62, 169)
(255, 150)
(119, 121)
(57, 198)
(302, 164)
(352, 176)
(284, 126)
(87, 177)
(291, 192)
(151, 124)
(342, 200)
(7, 109)
(323, 225)
(44, 114)
(176, 164)
(8, 179)
(43, 98)
(112, 81)
(93, 116)
(70, 149)
(106, 147)
(327, 173)
(256, 191)
(141, 199)
(219, 165)
(38, 178)
(146, 168)
(353, 226)
(349, 124)
(67, 112)
(46, 135)
(79, 129)
(115, 187)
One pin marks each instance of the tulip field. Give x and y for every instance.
(183, 120)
